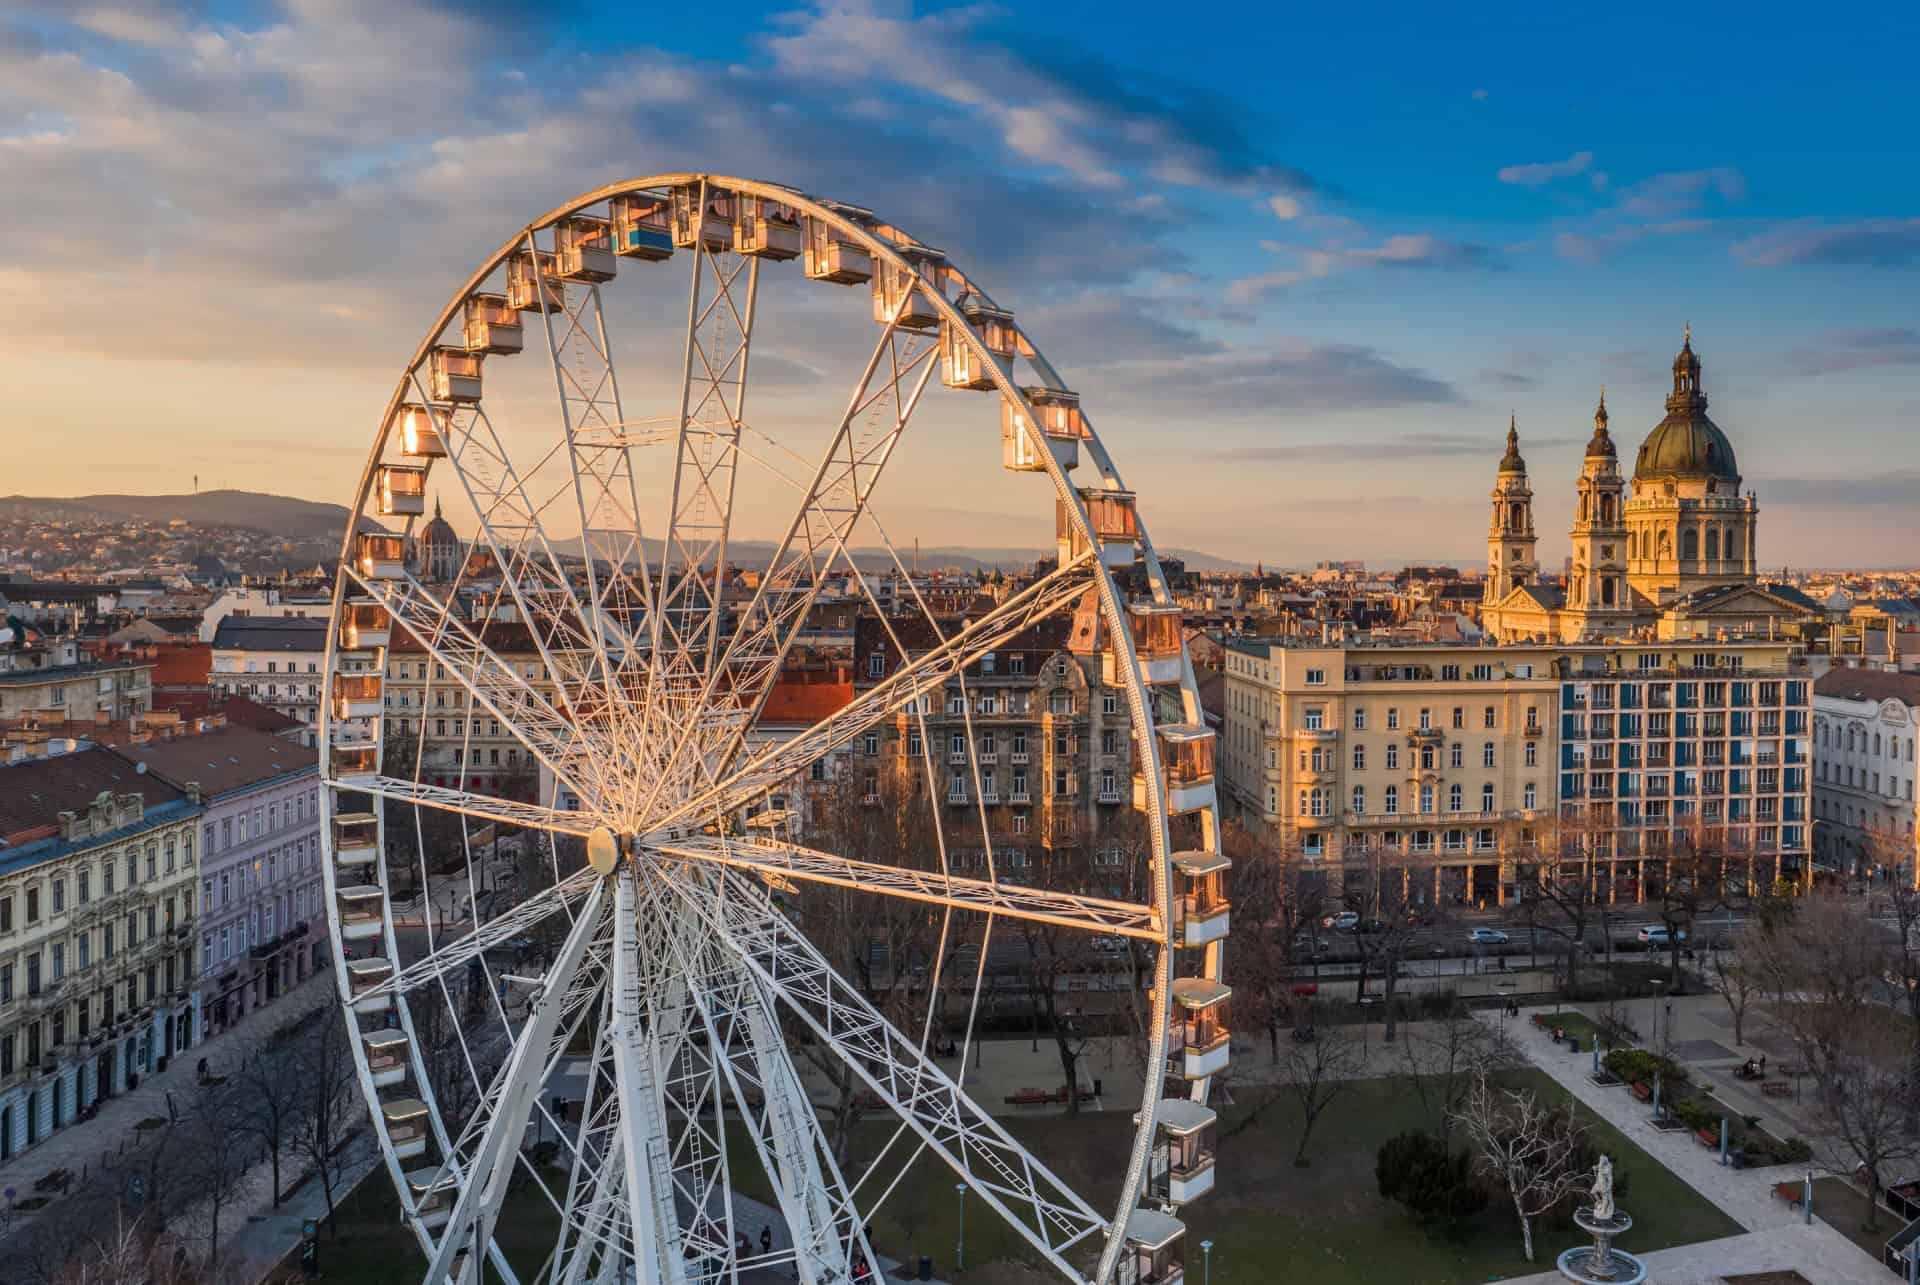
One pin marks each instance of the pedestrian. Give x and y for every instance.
(1763, 1066)
(766, 1239)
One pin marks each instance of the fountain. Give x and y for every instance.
(1600, 1263)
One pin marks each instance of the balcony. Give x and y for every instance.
(1019, 798)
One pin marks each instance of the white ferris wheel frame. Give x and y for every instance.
(637, 943)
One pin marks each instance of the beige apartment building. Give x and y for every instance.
(1437, 773)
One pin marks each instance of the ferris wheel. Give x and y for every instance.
(643, 553)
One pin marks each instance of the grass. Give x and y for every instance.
(1572, 1021)
(1267, 1219)
(1843, 1206)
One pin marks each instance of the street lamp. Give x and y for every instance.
(960, 1246)
(1206, 1262)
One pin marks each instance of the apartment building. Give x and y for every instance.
(262, 914)
(1440, 771)
(275, 660)
(53, 677)
(459, 743)
(1865, 723)
(97, 861)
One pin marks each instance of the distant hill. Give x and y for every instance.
(281, 515)
(757, 553)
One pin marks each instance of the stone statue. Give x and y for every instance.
(1603, 1190)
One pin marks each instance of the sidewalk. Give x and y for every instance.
(256, 1244)
(86, 1145)
(1779, 1235)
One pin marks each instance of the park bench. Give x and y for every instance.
(1642, 1090)
(59, 1178)
(1791, 1192)
(1776, 1088)
(1028, 1098)
(1707, 1136)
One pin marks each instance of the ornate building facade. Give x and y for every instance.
(1669, 554)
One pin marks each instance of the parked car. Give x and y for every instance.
(1486, 937)
(1656, 935)
(1345, 921)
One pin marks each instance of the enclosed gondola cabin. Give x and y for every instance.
(362, 911)
(386, 1052)
(364, 625)
(1197, 1042)
(708, 223)
(356, 696)
(406, 1121)
(583, 249)
(365, 979)
(422, 432)
(903, 293)
(533, 281)
(960, 365)
(834, 255)
(1200, 901)
(454, 375)
(403, 490)
(765, 227)
(1156, 644)
(1186, 761)
(1183, 1149)
(490, 324)
(379, 555)
(1116, 527)
(434, 1192)
(356, 838)
(1058, 412)
(641, 227)
(354, 764)
(1153, 1250)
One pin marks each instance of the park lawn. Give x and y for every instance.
(1843, 1207)
(1268, 1220)
(1574, 1022)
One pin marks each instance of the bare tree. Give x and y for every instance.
(1735, 980)
(1562, 893)
(329, 1106)
(1271, 907)
(213, 1155)
(130, 1253)
(268, 1092)
(1318, 1070)
(1532, 1151)
(1442, 1059)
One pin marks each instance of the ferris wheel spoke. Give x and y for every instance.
(780, 1121)
(457, 953)
(491, 1164)
(843, 483)
(792, 861)
(465, 656)
(915, 679)
(486, 807)
(1041, 1208)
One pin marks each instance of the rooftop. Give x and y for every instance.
(270, 633)
(1869, 685)
(34, 793)
(231, 758)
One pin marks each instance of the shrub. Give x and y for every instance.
(1437, 1186)
(1640, 1066)
(1696, 1115)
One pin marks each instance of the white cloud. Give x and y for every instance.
(1284, 207)
(1541, 173)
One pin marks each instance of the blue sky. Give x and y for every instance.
(1302, 265)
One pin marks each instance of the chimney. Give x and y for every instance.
(193, 792)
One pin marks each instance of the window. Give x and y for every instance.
(1109, 703)
(1359, 720)
(1359, 758)
(913, 743)
(86, 886)
(1392, 804)
(1060, 703)
(1533, 754)
(1487, 717)
(1393, 757)
(6, 914)
(1393, 718)
(870, 744)
(1316, 717)
(1360, 799)
(33, 906)
(1455, 799)
(1426, 720)
(1316, 678)
(1454, 753)
(1459, 717)
(1426, 758)
(1426, 798)
(59, 896)
(1486, 754)
(1486, 796)
(1529, 797)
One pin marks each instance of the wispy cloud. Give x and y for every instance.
(1664, 196)
(1402, 446)
(1541, 173)
(1881, 243)
(1899, 487)
(1857, 350)
(1408, 251)
(1285, 377)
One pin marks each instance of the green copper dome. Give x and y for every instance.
(1686, 443)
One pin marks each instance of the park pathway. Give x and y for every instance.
(1777, 1236)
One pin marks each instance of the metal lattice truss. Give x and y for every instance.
(639, 1014)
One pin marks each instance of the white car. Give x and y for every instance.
(1487, 937)
(1656, 935)
(1345, 921)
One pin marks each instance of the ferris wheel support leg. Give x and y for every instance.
(643, 1124)
(484, 1185)
(597, 1229)
(1035, 1203)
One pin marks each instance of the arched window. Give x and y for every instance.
(1713, 544)
(1393, 799)
(1606, 591)
(1455, 798)
(1733, 544)
(1426, 798)
(1689, 545)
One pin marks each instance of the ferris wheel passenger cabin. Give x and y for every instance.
(1197, 1043)
(356, 696)
(362, 911)
(960, 366)
(1156, 644)
(641, 227)
(1186, 761)
(711, 226)
(765, 227)
(386, 1052)
(1116, 526)
(1153, 1256)
(403, 490)
(583, 249)
(406, 1122)
(1200, 899)
(381, 556)
(489, 324)
(434, 1191)
(422, 431)
(533, 282)
(363, 626)
(1182, 1167)
(356, 838)
(365, 977)
(833, 255)
(903, 295)
(454, 375)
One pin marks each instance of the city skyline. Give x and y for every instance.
(249, 215)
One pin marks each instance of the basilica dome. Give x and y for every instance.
(1686, 444)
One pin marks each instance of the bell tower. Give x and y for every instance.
(1598, 585)
(1510, 538)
